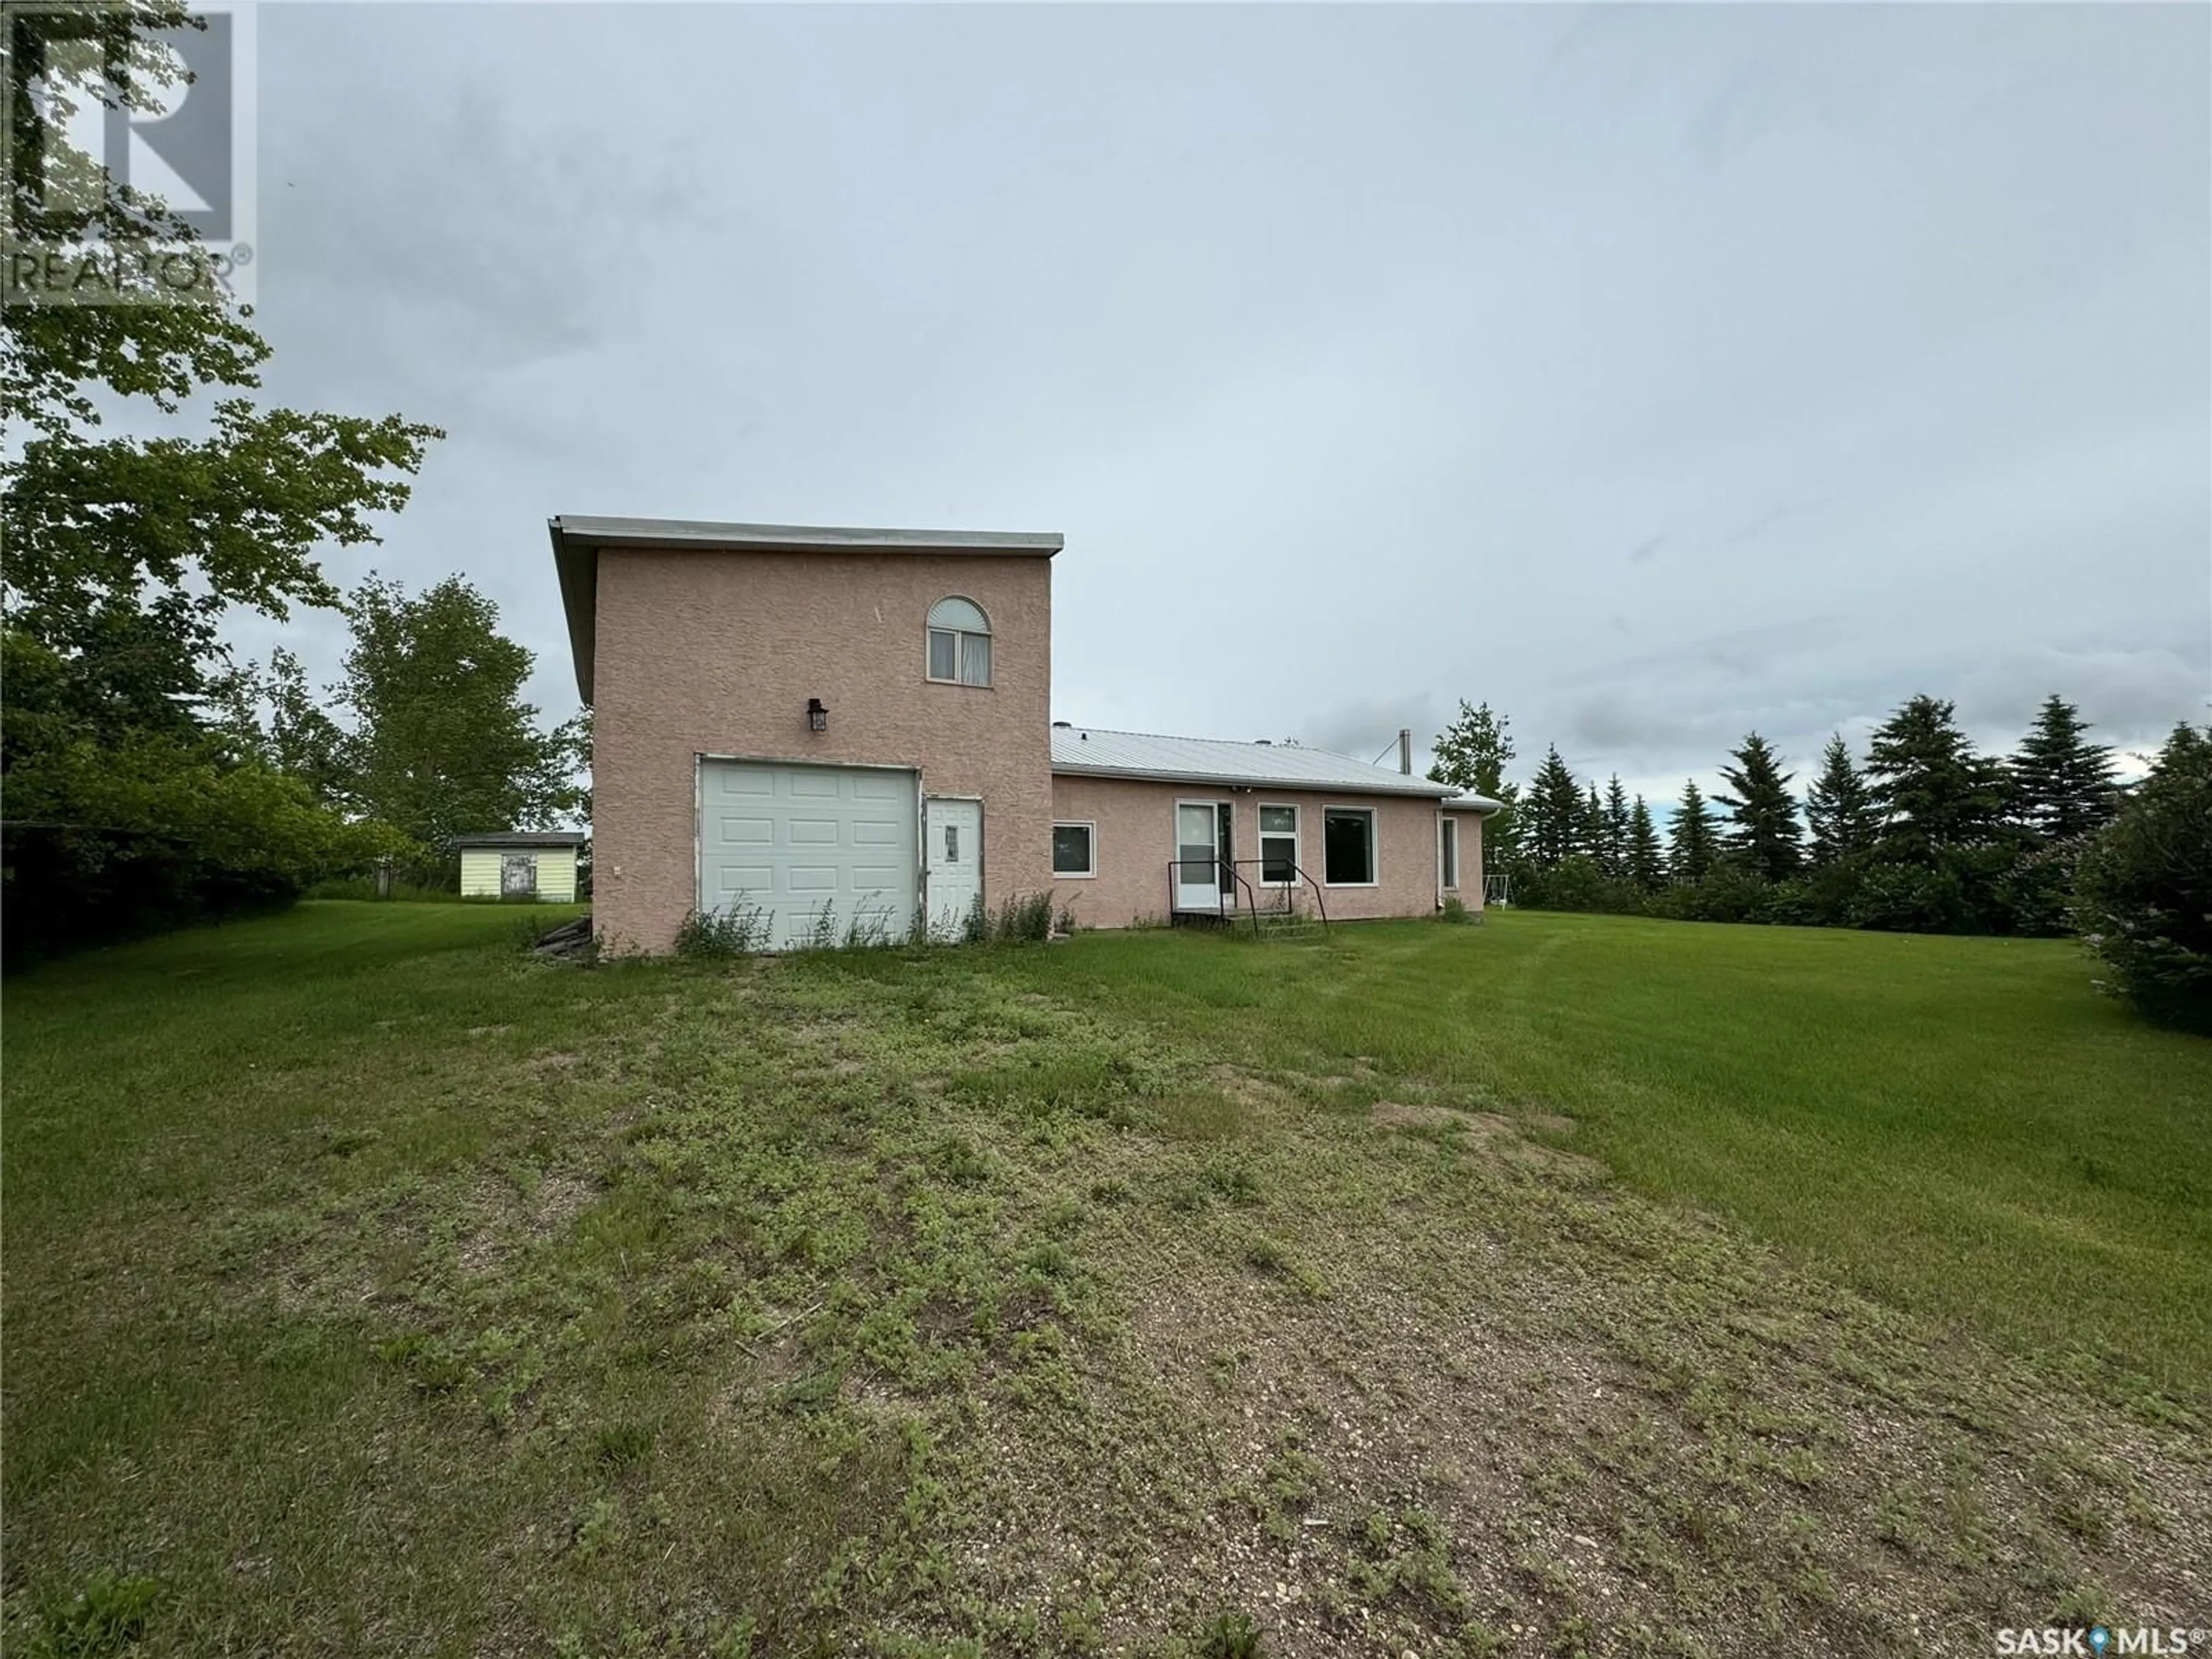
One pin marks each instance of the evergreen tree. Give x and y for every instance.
(1691, 839)
(1590, 842)
(2062, 784)
(1839, 808)
(1933, 791)
(1551, 813)
(2144, 892)
(1471, 756)
(1612, 840)
(1763, 836)
(1646, 864)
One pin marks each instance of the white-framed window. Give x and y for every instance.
(1074, 849)
(1278, 846)
(959, 643)
(1447, 853)
(1347, 845)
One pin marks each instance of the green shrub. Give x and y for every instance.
(1574, 883)
(105, 844)
(1729, 892)
(1896, 896)
(1454, 911)
(2143, 892)
(1024, 919)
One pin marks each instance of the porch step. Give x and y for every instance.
(1268, 924)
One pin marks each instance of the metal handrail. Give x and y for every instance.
(1299, 871)
(1223, 892)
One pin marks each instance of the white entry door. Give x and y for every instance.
(1198, 855)
(952, 835)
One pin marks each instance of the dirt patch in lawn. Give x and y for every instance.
(1498, 1406)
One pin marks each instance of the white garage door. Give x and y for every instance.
(798, 844)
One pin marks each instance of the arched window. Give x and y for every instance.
(959, 643)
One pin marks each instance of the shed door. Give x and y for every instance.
(815, 854)
(518, 875)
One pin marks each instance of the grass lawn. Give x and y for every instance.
(1565, 1285)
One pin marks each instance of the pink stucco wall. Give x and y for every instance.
(1135, 820)
(717, 653)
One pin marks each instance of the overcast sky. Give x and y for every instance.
(1654, 373)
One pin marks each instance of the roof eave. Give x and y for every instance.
(715, 536)
(578, 565)
(1420, 789)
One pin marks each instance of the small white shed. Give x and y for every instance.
(521, 865)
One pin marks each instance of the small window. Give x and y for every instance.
(1450, 859)
(959, 643)
(1348, 846)
(1074, 849)
(1279, 845)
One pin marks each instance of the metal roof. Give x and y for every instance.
(1089, 752)
(577, 541)
(1471, 802)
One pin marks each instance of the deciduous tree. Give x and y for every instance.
(124, 552)
(443, 742)
(1471, 755)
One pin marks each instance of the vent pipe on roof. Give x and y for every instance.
(1406, 750)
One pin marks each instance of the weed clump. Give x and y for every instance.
(738, 932)
(1231, 1636)
(1023, 919)
(106, 1616)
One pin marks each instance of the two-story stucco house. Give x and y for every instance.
(857, 723)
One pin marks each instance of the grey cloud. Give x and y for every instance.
(1618, 721)
(2133, 698)
(1352, 348)
(1365, 727)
